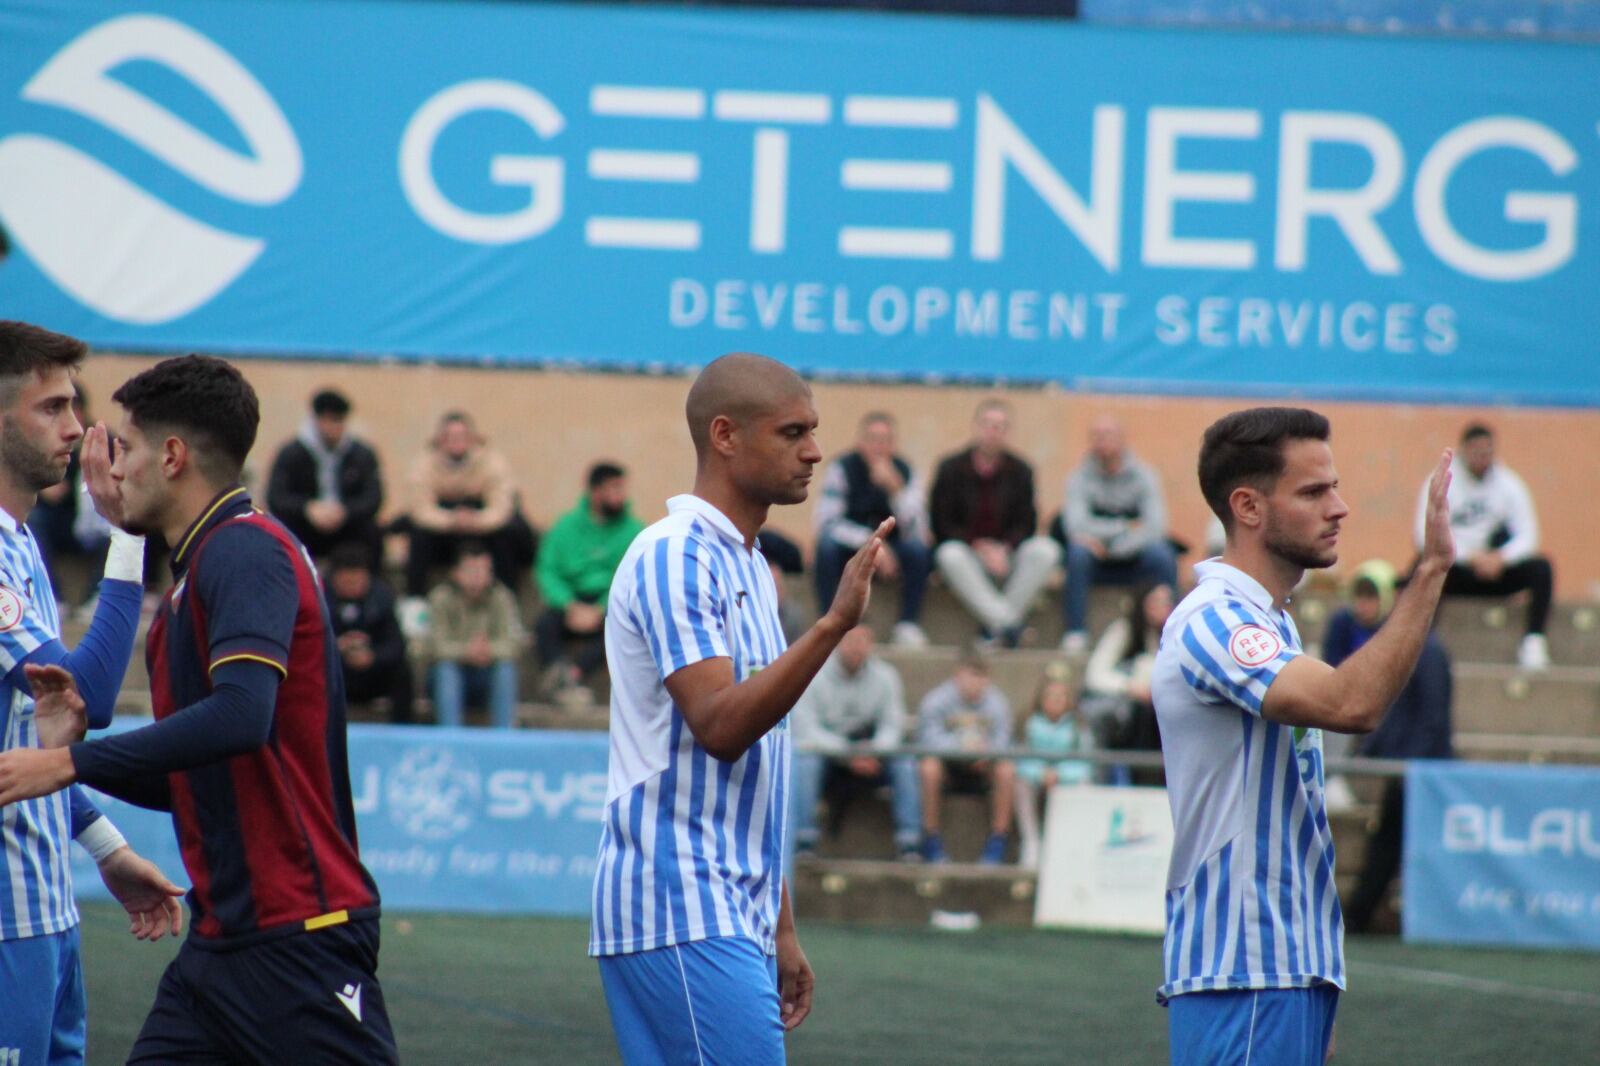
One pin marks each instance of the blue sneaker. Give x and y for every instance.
(933, 848)
(994, 850)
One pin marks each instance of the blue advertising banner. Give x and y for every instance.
(1502, 855)
(1112, 209)
(449, 819)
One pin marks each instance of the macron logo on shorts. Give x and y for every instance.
(351, 998)
(1252, 646)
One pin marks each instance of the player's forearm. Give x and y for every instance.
(151, 793)
(730, 721)
(1370, 680)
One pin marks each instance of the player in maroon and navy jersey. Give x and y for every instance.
(247, 750)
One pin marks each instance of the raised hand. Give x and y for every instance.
(855, 584)
(145, 893)
(97, 457)
(59, 713)
(1438, 542)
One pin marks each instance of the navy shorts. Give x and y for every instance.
(305, 998)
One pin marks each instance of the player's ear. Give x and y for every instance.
(1249, 507)
(721, 433)
(175, 457)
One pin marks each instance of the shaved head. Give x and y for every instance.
(741, 387)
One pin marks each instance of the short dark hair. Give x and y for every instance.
(1246, 448)
(205, 401)
(872, 418)
(472, 549)
(330, 402)
(1474, 431)
(28, 349)
(351, 555)
(602, 472)
(973, 658)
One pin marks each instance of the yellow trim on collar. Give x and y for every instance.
(203, 520)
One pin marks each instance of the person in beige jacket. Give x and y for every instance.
(459, 489)
(475, 638)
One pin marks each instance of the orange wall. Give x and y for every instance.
(552, 424)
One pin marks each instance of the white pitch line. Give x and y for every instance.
(1443, 979)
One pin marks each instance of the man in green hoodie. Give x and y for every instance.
(576, 562)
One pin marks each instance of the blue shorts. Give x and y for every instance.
(1250, 1027)
(711, 1002)
(43, 1021)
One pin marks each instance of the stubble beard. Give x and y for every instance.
(30, 467)
(1303, 556)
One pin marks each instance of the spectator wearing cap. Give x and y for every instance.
(372, 650)
(325, 484)
(577, 560)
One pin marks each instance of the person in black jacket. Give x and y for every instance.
(371, 646)
(1417, 726)
(325, 484)
(985, 528)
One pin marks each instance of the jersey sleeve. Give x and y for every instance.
(680, 604)
(23, 630)
(250, 594)
(1231, 653)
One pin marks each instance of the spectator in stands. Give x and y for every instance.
(1054, 729)
(854, 710)
(1116, 525)
(325, 484)
(1118, 702)
(859, 490)
(1497, 538)
(461, 489)
(576, 563)
(791, 616)
(984, 528)
(966, 714)
(474, 638)
(64, 521)
(1417, 726)
(372, 649)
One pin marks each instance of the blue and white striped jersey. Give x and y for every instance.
(35, 872)
(1251, 901)
(691, 847)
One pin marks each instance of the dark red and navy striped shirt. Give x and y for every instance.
(268, 837)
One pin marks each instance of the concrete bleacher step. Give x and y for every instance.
(1561, 701)
(1490, 630)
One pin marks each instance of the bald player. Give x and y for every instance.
(692, 922)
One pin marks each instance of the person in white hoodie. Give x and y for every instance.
(1496, 537)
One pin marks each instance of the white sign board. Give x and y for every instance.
(1103, 859)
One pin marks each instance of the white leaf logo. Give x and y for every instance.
(108, 243)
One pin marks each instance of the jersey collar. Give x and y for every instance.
(713, 517)
(225, 505)
(7, 523)
(1252, 590)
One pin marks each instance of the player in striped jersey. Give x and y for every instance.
(1254, 957)
(41, 984)
(692, 921)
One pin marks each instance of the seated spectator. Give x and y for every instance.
(64, 522)
(1497, 538)
(578, 558)
(854, 709)
(1116, 524)
(372, 649)
(474, 639)
(325, 484)
(1054, 729)
(791, 617)
(968, 714)
(781, 552)
(1417, 726)
(461, 490)
(984, 528)
(859, 490)
(1117, 684)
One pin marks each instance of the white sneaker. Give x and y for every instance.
(908, 635)
(1336, 794)
(1534, 652)
(1075, 642)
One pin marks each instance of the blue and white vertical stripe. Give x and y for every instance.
(1251, 901)
(691, 846)
(36, 896)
